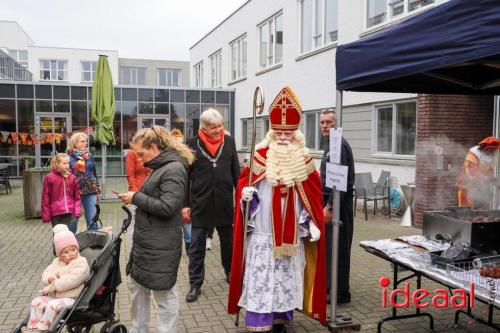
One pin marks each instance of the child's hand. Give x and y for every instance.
(48, 290)
(52, 278)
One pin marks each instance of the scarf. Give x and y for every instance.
(81, 158)
(212, 145)
(284, 223)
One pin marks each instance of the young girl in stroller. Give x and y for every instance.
(63, 281)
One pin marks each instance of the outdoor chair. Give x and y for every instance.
(4, 180)
(382, 183)
(365, 189)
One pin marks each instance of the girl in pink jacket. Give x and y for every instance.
(61, 194)
(63, 280)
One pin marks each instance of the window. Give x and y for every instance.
(88, 71)
(198, 74)
(239, 58)
(380, 11)
(318, 23)
(216, 69)
(396, 128)
(135, 76)
(169, 77)
(271, 41)
(21, 56)
(54, 70)
(244, 132)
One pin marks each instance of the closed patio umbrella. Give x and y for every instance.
(103, 110)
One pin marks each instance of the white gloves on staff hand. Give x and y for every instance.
(247, 193)
(315, 233)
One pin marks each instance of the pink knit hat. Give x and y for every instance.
(63, 238)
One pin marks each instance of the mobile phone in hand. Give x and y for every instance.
(116, 193)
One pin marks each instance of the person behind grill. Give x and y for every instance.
(474, 181)
(213, 177)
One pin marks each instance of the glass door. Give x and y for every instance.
(149, 121)
(52, 129)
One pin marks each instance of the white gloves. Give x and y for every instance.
(48, 290)
(247, 193)
(315, 233)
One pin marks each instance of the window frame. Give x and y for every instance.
(270, 24)
(241, 71)
(132, 70)
(57, 70)
(375, 127)
(93, 69)
(17, 58)
(198, 74)
(216, 69)
(389, 18)
(169, 76)
(314, 27)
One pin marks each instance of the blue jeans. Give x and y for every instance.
(186, 231)
(89, 201)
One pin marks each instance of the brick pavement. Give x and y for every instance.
(25, 250)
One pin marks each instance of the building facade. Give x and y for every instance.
(36, 119)
(279, 43)
(78, 66)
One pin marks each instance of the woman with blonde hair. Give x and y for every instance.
(157, 243)
(82, 165)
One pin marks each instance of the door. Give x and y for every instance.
(54, 129)
(149, 121)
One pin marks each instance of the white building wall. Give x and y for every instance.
(74, 57)
(13, 37)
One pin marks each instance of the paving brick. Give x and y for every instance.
(26, 249)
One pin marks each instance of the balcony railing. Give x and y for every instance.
(12, 70)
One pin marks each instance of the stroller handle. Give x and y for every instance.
(128, 220)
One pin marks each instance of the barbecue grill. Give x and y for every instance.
(477, 229)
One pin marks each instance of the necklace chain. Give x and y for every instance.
(211, 159)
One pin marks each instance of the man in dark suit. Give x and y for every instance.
(213, 177)
(328, 121)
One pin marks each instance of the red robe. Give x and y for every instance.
(310, 194)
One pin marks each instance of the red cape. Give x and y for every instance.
(310, 194)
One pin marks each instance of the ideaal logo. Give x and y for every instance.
(440, 299)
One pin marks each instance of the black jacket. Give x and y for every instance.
(211, 188)
(157, 242)
(346, 158)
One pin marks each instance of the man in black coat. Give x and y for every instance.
(213, 176)
(327, 121)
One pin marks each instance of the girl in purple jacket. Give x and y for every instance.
(61, 194)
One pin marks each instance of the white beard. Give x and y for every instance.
(286, 163)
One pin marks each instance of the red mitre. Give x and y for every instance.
(284, 112)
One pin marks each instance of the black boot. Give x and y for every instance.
(279, 328)
(193, 294)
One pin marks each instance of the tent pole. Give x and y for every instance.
(496, 124)
(103, 173)
(337, 322)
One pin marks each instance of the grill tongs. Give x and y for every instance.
(455, 251)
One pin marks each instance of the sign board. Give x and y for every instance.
(335, 144)
(336, 175)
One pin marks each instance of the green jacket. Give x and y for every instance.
(157, 242)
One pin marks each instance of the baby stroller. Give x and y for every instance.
(96, 302)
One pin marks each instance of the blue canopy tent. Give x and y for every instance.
(453, 48)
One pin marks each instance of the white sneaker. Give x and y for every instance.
(209, 244)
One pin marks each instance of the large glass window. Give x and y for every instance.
(8, 118)
(135, 76)
(88, 71)
(198, 74)
(319, 23)
(216, 69)
(396, 128)
(26, 124)
(239, 58)
(54, 70)
(21, 56)
(169, 77)
(192, 120)
(271, 41)
(380, 11)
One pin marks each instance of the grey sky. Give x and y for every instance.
(151, 29)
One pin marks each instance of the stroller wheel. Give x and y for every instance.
(118, 328)
(105, 327)
(79, 328)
